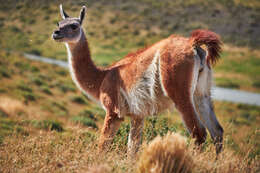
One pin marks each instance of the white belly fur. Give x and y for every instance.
(148, 96)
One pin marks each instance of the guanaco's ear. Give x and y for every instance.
(82, 14)
(62, 13)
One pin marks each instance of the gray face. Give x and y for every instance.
(69, 29)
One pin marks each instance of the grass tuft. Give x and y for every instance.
(4, 72)
(48, 125)
(166, 154)
(38, 81)
(46, 90)
(24, 87)
(226, 83)
(87, 113)
(85, 121)
(3, 114)
(78, 100)
(65, 87)
(28, 96)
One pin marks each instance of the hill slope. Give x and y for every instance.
(114, 28)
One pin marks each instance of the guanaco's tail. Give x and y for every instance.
(211, 40)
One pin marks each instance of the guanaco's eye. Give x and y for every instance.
(73, 26)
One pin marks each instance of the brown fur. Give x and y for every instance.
(211, 40)
(103, 84)
(176, 64)
(85, 70)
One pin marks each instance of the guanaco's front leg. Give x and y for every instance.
(109, 99)
(135, 135)
(111, 125)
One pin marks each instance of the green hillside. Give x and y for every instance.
(47, 125)
(115, 28)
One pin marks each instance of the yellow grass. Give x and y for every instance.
(11, 106)
(170, 154)
(53, 152)
(167, 154)
(99, 169)
(25, 147)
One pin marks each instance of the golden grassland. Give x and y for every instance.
(46, 125)
(50, 151)
(171, 154)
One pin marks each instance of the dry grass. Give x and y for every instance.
(25, 147)
(11, 106)
(52, 152)
(167, 154)
(170, 154)
(226, 162)
(99, 169)
(74, 151)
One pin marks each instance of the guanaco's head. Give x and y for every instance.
(69, 29)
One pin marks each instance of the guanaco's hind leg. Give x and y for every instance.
(208, 118)
(178, 82)
(135, 135)
(205, 108)
(189, 116)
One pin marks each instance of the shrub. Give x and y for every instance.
(34, 69)
(113, 20)
(38, 81)
(61, 106)
(121, 137)
(26, 92)
(62, 72)
(46, 17)
(136, 32)
(29, 96)
(99, 111)
(21, 131)
(65, 87)
(78, 100)
(166, 154)
(23, 66)
(14, 29)
(48, 125)
(2, 90)
(35, 52)
(84, 121)
(22, 86)
(256, 84)
(4, 72)
(226, 83)
(87, 113)
(46, 90)
(3, 113)
(150, 131)
(31, 21)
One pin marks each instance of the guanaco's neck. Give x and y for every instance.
(85, 74)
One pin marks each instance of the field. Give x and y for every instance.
(47, 125)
